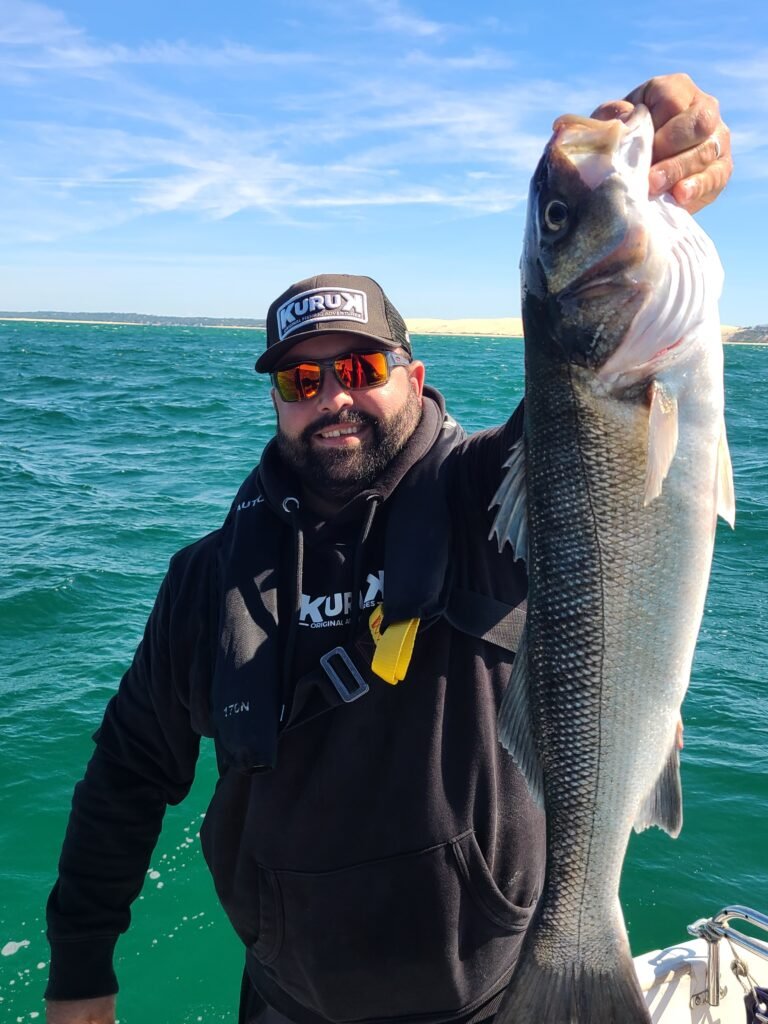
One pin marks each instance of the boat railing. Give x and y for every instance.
(713, 929)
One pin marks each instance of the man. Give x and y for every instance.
(374, 848)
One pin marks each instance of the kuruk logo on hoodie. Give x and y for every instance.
(334, 609)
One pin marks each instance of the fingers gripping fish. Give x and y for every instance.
(611, 498)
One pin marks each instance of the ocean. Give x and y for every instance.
(120, 444)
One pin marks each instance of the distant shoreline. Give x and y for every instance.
(481, 327)
(169, 322)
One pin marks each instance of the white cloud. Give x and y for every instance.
(480, 201)
(174, 54)
(753, 67)
(33, 24)
(129, 149)
(392, 16)
(135, 146)
(36, 37)
(478, 60)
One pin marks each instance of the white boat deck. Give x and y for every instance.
(674, 980)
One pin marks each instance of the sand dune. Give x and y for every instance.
(500, 327)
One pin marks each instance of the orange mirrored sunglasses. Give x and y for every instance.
(355, 371)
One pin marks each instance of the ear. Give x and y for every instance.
(416, 372)
(273, 396)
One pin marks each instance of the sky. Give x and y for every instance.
(195, 158)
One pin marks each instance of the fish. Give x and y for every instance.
(611, 498)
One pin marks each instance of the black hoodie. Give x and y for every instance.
(380, 859)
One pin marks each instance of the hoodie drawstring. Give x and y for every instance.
(291, 505)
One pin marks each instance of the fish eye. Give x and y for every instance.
(555, 215)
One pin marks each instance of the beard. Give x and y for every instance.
(341, 473)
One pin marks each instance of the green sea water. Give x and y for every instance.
(120, 444)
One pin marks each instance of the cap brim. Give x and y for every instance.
(275, 354)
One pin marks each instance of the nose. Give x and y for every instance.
(332, 397)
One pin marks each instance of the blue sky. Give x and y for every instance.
(195, 158)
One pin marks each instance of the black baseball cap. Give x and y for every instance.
(331, 303)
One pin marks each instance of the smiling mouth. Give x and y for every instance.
(334, 432)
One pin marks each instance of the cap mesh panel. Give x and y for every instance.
(397, 326)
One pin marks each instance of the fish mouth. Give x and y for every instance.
(613, 275)
(599, 149)
(599, 287)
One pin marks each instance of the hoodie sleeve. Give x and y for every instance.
(478, 468)
(146, 751)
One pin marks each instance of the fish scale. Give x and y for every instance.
(564, 633)
(623, 469)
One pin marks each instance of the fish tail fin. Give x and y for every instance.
(573, 993)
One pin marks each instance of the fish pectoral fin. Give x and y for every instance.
(726, 497)
(511, 522)
(515, 724)
(662, 439)
(663, 806)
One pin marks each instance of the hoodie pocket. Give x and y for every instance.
(427, 932)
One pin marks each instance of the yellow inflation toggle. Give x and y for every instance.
(394, 646)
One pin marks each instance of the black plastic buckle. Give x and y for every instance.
(347, 693)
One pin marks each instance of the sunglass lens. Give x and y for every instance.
(361, 370)
(298, 383)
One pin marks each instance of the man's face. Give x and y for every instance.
(340, 441)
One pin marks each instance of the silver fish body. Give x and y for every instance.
(612, 500)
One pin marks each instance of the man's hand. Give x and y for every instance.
(81, 1011)
(692, 145)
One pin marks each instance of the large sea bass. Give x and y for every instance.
(612, 499)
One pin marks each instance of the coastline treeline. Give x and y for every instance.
(134, 318)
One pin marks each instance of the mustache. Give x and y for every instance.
(334, 419)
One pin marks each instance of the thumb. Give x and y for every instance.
(613, 109)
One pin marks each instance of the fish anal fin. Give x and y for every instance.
(511, 522)
(515, 724)
(726, 496)
(663, 806)
(662, 439)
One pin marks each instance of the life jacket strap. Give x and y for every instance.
(486, 618)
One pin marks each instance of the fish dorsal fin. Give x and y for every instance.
(663, 805)
(515, 724)
(662, 439)
(511, 522)
(726, 497)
